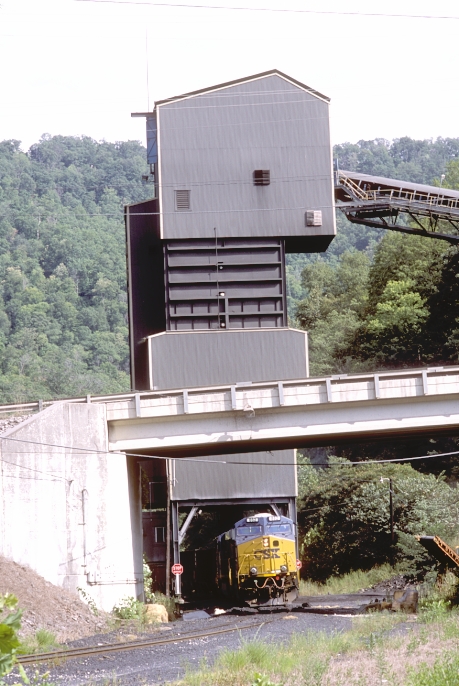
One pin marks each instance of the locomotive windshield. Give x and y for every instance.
(278, 528)
(249, 530)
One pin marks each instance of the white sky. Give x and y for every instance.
(73, 67)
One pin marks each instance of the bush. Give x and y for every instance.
(129, 608)
(147, 582)
(348, 583)
(10, 623)
(344, 519)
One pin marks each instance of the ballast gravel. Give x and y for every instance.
(163, 664)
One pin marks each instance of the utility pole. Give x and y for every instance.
(391, 505)
(391, 511)
(168, 529)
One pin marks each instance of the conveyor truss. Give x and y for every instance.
(440, 550)
(398, 205)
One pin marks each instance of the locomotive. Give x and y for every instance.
(256, 560)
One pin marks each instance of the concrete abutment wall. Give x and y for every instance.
(69, 509)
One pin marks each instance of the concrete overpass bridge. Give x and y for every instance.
(69, 474)
(249, 417)
(274, 415)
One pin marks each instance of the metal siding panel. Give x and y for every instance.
(250, 286)
(211, 144)
(227, 357)
(152, 140)
(146, 285)
(206, 481)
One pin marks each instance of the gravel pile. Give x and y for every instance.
(396, 583)
(47, 606)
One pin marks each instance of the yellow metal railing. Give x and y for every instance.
(439, 199)
(444, 547)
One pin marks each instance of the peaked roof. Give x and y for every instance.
(272, 72)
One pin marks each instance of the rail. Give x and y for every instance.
(128, 645)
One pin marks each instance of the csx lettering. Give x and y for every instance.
(266, 554)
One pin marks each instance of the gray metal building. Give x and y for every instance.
(242, 175)
(210, 144)
(201, 358)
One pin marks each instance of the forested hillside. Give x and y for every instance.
(63, 310)
(383, 299)
(370, 301)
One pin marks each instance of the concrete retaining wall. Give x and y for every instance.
(74, 516)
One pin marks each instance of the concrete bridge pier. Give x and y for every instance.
(71, 510)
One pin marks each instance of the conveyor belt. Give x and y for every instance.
(440, 550)
(398, 205)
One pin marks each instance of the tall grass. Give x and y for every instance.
(41, 642)
(372, 653)
(444, 672)
(305, 659)
(348, 583)
(169, 604)
(308, 654)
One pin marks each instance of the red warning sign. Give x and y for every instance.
(177, 569)
(299, 564)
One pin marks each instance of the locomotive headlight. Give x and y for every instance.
(265, 542)
(253, 571)
(283, 569)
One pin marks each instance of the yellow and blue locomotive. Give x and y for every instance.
(256, 560)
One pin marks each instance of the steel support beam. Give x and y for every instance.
(186, 524)
(176, 545)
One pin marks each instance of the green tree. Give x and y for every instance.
(345, 522)
(10, 623)
(402, 285)
(335, 298)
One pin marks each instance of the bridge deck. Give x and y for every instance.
(250, 417)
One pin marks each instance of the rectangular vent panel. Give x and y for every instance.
(225, 284)
(314, 218)
(261, 177)
(182, 201)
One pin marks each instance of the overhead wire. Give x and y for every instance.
(205, 460)
(282, 10)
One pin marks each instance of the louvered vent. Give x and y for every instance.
(313, 218)
(182, 201)
(261, 177)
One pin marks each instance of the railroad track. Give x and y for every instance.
(130, 645)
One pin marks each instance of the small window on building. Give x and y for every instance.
(182, 201)
(160, 534)
(261, 177)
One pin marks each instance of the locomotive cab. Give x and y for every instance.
(257, 560)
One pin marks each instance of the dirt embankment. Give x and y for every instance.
(47, 606)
